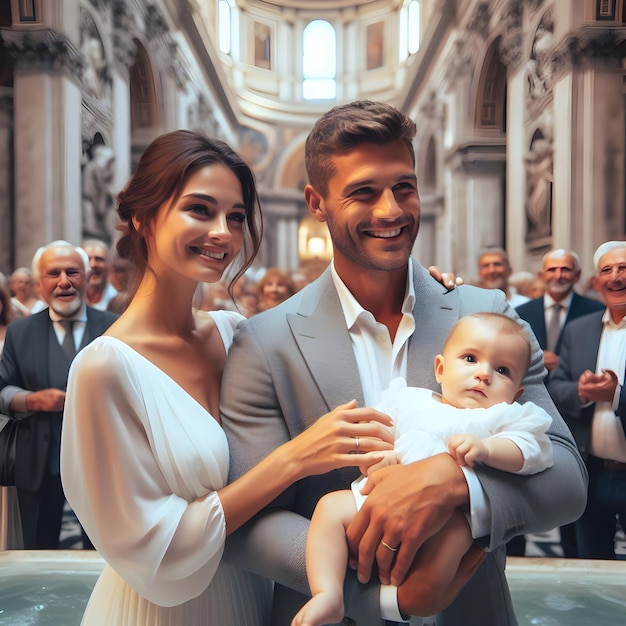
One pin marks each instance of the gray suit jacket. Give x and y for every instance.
(294, 363)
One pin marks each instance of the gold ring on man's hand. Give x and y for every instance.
(388, 546)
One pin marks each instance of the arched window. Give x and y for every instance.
(414, 26)
(224, 25)
(319, 61)
(409, 41)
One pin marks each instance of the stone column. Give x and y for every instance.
(47, 106)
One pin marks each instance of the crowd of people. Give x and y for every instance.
(194, 421)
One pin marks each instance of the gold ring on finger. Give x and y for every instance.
(388, 546)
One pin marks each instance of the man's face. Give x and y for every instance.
(99, 264)
(560, 275)
(611, 281)
(494, 271)
(372, 208)
(22, 286)
(62, 280)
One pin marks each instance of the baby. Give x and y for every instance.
(475, 419)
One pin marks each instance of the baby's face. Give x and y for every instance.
(481, 366)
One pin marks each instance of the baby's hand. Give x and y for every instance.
(467, 449)
(389, 458)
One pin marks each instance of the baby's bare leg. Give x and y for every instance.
(327, 559)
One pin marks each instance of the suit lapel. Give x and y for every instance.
(320, 332)
(435, 312)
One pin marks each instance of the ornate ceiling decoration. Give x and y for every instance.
(321, 6)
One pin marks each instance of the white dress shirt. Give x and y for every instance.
(549, 302)
(607, 434)
(80, 322)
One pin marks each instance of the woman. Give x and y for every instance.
(144, 460)
(275, 287)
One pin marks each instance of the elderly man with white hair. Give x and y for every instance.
(38, 351)
(588, 389)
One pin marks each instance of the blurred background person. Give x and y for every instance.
(548, 315)
(588, 390)
(121, 276)
(24, 300)
(274, 287)
(36, 358)
(494, 271)
(99, 291)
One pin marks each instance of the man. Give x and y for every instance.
(99, 291)
(560, 304)
(373, 315)
(38, 351)
(24, 300)
(588, 389)
(547, 316)
(494, 270)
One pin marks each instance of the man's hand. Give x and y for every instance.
(406, 505)
(597, 387)
(447, 279)
(46, 400)
(550, 360)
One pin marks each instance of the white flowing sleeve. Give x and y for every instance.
(118, 482)
(526, 425)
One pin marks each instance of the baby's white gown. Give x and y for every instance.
(147, 498)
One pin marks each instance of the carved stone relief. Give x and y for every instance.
(539, 66)
(98, 203)
(538, 163)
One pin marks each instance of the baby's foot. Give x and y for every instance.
(322, 608)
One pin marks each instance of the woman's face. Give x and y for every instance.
(275, 291)
(198, 234)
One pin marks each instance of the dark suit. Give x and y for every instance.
(579, 352)
(33, 360)
(298, 363)
(534, 313)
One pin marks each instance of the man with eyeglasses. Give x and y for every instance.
(588, 389)
(38, 351)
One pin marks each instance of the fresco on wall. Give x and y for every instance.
(375, 42)
(262, 46)
(253, 147)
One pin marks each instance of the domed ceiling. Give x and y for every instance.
(313, 5)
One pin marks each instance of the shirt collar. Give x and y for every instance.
(548, 301)
(352, 309)
(608, 322)
(79, 316)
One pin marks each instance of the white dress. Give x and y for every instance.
(147, 499)
(423, 425)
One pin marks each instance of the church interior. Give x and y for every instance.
(519, 105)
